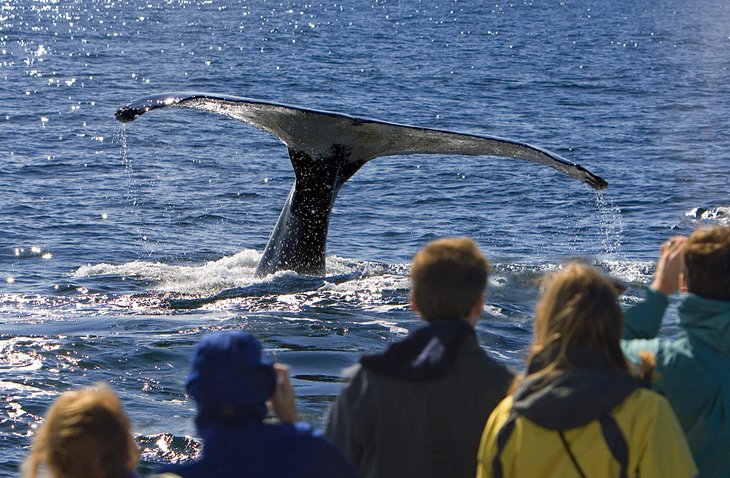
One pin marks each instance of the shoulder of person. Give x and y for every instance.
(486, 360)
(350, 372)
(646, 404)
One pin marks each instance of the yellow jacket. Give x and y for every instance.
(656, 444)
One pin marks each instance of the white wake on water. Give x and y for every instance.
(231, 282)
(212, 277)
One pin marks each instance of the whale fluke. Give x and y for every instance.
(326, 149)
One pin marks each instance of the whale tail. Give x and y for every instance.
(326, 149)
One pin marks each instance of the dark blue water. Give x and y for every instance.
(119, 248)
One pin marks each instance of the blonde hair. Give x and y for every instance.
(447, 278)
(86, 434)
(707, 262)
(579, 307)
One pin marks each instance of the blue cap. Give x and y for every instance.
(230, 377)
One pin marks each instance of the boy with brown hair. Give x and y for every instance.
(418, 408)
(693, 368)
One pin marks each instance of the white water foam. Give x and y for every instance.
(376, 287)
(212, 277)
(18, 354)
(720, 215)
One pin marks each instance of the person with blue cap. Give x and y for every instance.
(231, 382)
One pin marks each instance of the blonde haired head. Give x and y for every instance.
(86, 434)
(578, 308)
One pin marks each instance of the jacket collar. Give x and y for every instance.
(573, 397)
(427, 353)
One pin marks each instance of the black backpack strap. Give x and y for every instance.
(616, 442)
(502, 436)
(572, 456)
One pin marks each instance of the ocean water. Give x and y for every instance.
(121, 246)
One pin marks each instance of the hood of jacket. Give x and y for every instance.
(574, 397)
(706, 319)
(427, 353)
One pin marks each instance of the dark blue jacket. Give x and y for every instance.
(261, 450)
(230, 381)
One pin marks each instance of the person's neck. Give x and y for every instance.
(470, 319)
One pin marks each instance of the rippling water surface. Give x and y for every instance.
(121, 247)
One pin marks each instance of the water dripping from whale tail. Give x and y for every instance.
(609, 215)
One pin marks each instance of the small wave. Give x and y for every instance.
(631, 272)
(520, 276)
(167, 448)
(720, 215)
(391, 326)
(17, 354)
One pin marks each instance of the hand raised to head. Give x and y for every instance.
(669, 266)
(283, 401)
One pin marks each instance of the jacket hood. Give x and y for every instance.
(230, 378)
(573, 397)
(426, 354)
(706, 319)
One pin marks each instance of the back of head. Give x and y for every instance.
(578, 309)
(707, 262)
(86, 434)
(448, 276)
(231, 379)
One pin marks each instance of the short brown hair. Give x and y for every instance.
(86, 434)
(707, 262)
(447, 278)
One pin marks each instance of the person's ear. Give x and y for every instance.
(475, 313)
(478, 306)
(414, 306)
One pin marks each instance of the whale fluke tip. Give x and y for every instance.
(140, 106)
(596, 182)
(601, 184)
(126, 114)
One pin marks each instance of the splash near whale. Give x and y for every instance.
(326, 149)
